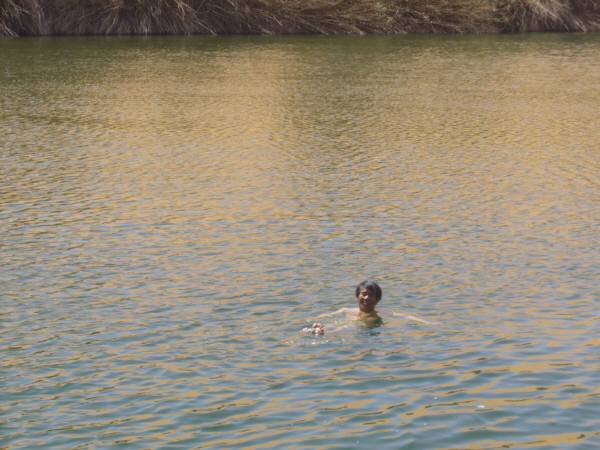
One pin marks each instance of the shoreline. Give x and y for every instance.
(294, 17)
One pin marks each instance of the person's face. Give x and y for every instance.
(366, 300)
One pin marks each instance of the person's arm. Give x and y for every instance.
(318, 329)
(413, 318)
(336, 313)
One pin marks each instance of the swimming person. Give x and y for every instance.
(368, 294)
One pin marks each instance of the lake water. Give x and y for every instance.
(173, 211)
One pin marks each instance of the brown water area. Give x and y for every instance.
(174, 210)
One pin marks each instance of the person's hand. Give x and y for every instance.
(318, 329)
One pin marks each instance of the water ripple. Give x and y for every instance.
(174, 211)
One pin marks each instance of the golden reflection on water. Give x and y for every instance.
(276, 134)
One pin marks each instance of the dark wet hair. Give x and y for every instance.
(371, 286)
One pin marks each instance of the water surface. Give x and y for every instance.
(173, 212)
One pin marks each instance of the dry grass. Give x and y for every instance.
(41, 17)
(539, 15)
(20, 17)
(390, 17)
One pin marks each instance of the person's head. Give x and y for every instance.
(368, 293)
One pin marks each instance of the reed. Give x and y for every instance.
(83, 17)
